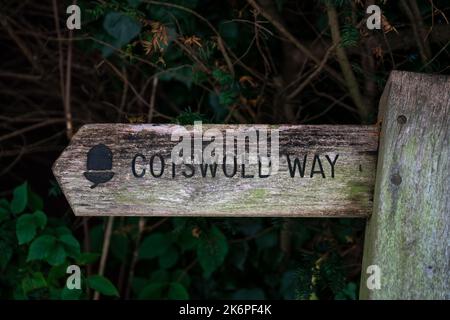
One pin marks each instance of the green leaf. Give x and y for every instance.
(183, 74)
(25, 228)
(288, 284)
(34, 281)
(134, 3)
(182, 277)
(27, 224)
(86, 258)
(4, 210)
(70, 244)
(177, 292)
(159, 290)
(4, 215)
(40, 219)
(154, 245)
(20, 198)
(40, 247)
(249, 294)
(211, 250)
(96, 237)
(102, 285)
(227, 97)
(120, 246)
(71, 294)
(62, 230)
(186, 240)
(222, 77)
(35, 202)
(169, 258)
(4, 204)
(6, 254)
(239, 254)
(138, 283)
(56, 255)
(266, 241)
(349, 36)
(56, 273)
(229, 30)
(54, 190)
(160, 275)
(220, 112)
(189, 117)
(122, 28)
(348, 293)
(152, 291)
(18, 293)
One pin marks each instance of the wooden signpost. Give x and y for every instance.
(408, 233)
(320, 171)
(323, 171)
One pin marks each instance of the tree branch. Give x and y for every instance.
(349, 76)
(105, 250)
(273, 18)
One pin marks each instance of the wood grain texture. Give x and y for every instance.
(348, 194)
(407, 235)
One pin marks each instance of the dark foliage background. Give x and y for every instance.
(237, 61)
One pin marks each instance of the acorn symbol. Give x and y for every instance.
(99, 165)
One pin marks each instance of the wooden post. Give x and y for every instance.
(407, 236)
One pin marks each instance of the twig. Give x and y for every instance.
(337, 101)
(17, 159)
(186, 270)
(410, 8)
(141, 230)
(30, 128)
(134, 259)
(67, 95)
(60, 52)
(123, 100)
(283, 30)
(253, 236)
(151, 108)
(421, 26)
(138, 95)
(223, 49)
(87, 245)
(193, 56)
(221, 45)
(319, 68)
(20, 76)
(327, 109)
(105, 249)
(349, 76)
(154, 226)
(437, 55)
(27, 53)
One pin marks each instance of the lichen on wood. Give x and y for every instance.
(407, 235)
(342, 190)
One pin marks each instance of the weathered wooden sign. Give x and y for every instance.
(219, 170)
(314, 171)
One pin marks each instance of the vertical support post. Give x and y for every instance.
(407, 236)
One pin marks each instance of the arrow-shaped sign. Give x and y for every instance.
(219, 170)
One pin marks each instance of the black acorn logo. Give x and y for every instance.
(99, 165)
